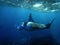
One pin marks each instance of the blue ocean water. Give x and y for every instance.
(11, 17)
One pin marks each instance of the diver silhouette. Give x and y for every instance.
(31, 25)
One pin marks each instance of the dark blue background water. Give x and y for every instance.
(10, 17)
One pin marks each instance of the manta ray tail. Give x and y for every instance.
(49, 24)
(30, 18)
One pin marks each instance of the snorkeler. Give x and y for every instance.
(30, 25)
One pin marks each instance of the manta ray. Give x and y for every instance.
(31, 25)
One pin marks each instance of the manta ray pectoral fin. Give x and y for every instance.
(49, 24)
(30, 19)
